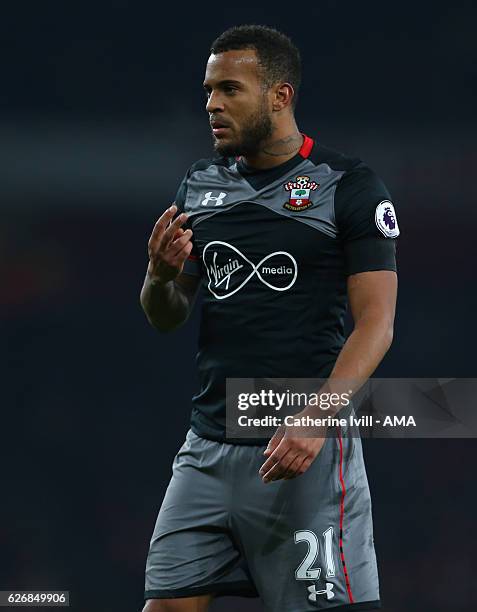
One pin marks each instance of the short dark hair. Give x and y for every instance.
(277, 55)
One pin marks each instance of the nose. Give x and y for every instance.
(214, 103)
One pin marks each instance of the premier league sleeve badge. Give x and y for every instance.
(386, 220)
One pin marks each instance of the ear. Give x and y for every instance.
(282, 96)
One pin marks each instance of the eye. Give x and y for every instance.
(229, 90)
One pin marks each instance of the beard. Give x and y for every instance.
(258, 128)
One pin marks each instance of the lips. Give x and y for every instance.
(221, 131)
(219, 128)
(218, 124)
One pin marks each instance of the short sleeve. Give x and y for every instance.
(192, 264)
(366, 221)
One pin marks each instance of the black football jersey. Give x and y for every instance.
(274, 249)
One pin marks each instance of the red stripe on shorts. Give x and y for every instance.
(343, 495)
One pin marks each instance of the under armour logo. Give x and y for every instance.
(210, 198)
(229, 270)
(328, 591)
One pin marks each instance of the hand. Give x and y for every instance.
(290, 454)
(168, 247)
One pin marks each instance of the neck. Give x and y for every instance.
(284, 144)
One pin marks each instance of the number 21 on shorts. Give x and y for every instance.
(305, 571)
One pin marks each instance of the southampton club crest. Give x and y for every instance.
(300, 193)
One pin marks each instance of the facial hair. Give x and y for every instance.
(257, 129)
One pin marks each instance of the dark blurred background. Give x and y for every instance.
(101, 113)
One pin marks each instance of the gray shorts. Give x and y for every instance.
(301, 544)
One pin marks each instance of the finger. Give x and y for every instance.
(180, 258)
(279, 470)
(168, 235)
(161, 224)
(274, 441)
(179, 243)
(294, 469)
(304, 466)
(275, 457)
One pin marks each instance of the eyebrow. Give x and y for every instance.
(222, 83)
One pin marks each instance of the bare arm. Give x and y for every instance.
(372, 299)
(169, 305)
(167, 295)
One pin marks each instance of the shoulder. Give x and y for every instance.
(209, 163)
(353, 171)
(334, 159)
(363, 212)
(358, 187)
(205, 165)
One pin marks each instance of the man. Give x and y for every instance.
(280, 232)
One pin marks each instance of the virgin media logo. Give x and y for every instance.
(229, 270)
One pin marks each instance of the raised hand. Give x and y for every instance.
(168, 247)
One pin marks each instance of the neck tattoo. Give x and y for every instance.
(284, 146)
